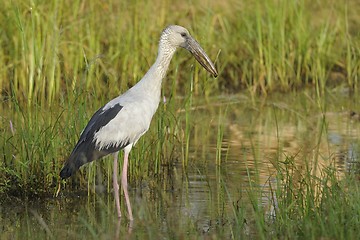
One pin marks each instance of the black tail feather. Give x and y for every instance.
(82, 154)
(75, 161)
(67, 171)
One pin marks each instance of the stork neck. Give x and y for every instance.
(152, 80)
(163, 59)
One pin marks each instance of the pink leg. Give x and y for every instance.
(124, 182)
(116, 185)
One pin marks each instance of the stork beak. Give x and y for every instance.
(194, 47)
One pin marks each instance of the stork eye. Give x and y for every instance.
(183, 34)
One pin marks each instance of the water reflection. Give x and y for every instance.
(200, 200)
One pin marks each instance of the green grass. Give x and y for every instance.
(332, 212)
(60, 61)
(303, 207)
(48, 51)
(306, 188)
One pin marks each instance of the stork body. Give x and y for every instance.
(121, 122)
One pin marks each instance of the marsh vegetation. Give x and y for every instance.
(268, 150)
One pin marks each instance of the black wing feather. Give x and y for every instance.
(85, 150)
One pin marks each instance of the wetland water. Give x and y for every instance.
(235, 148)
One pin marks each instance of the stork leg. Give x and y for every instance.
(116, 185)
(124, 181)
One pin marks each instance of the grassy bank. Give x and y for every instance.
(62, 60)
(310, 190)
(49, 49)
(308, 182)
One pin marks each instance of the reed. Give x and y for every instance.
(48, 51)
(305, 187)
(62, 60)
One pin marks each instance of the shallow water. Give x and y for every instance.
(235, 149)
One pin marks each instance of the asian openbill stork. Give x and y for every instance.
(121, 122)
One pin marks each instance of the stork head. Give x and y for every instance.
(176, 36)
